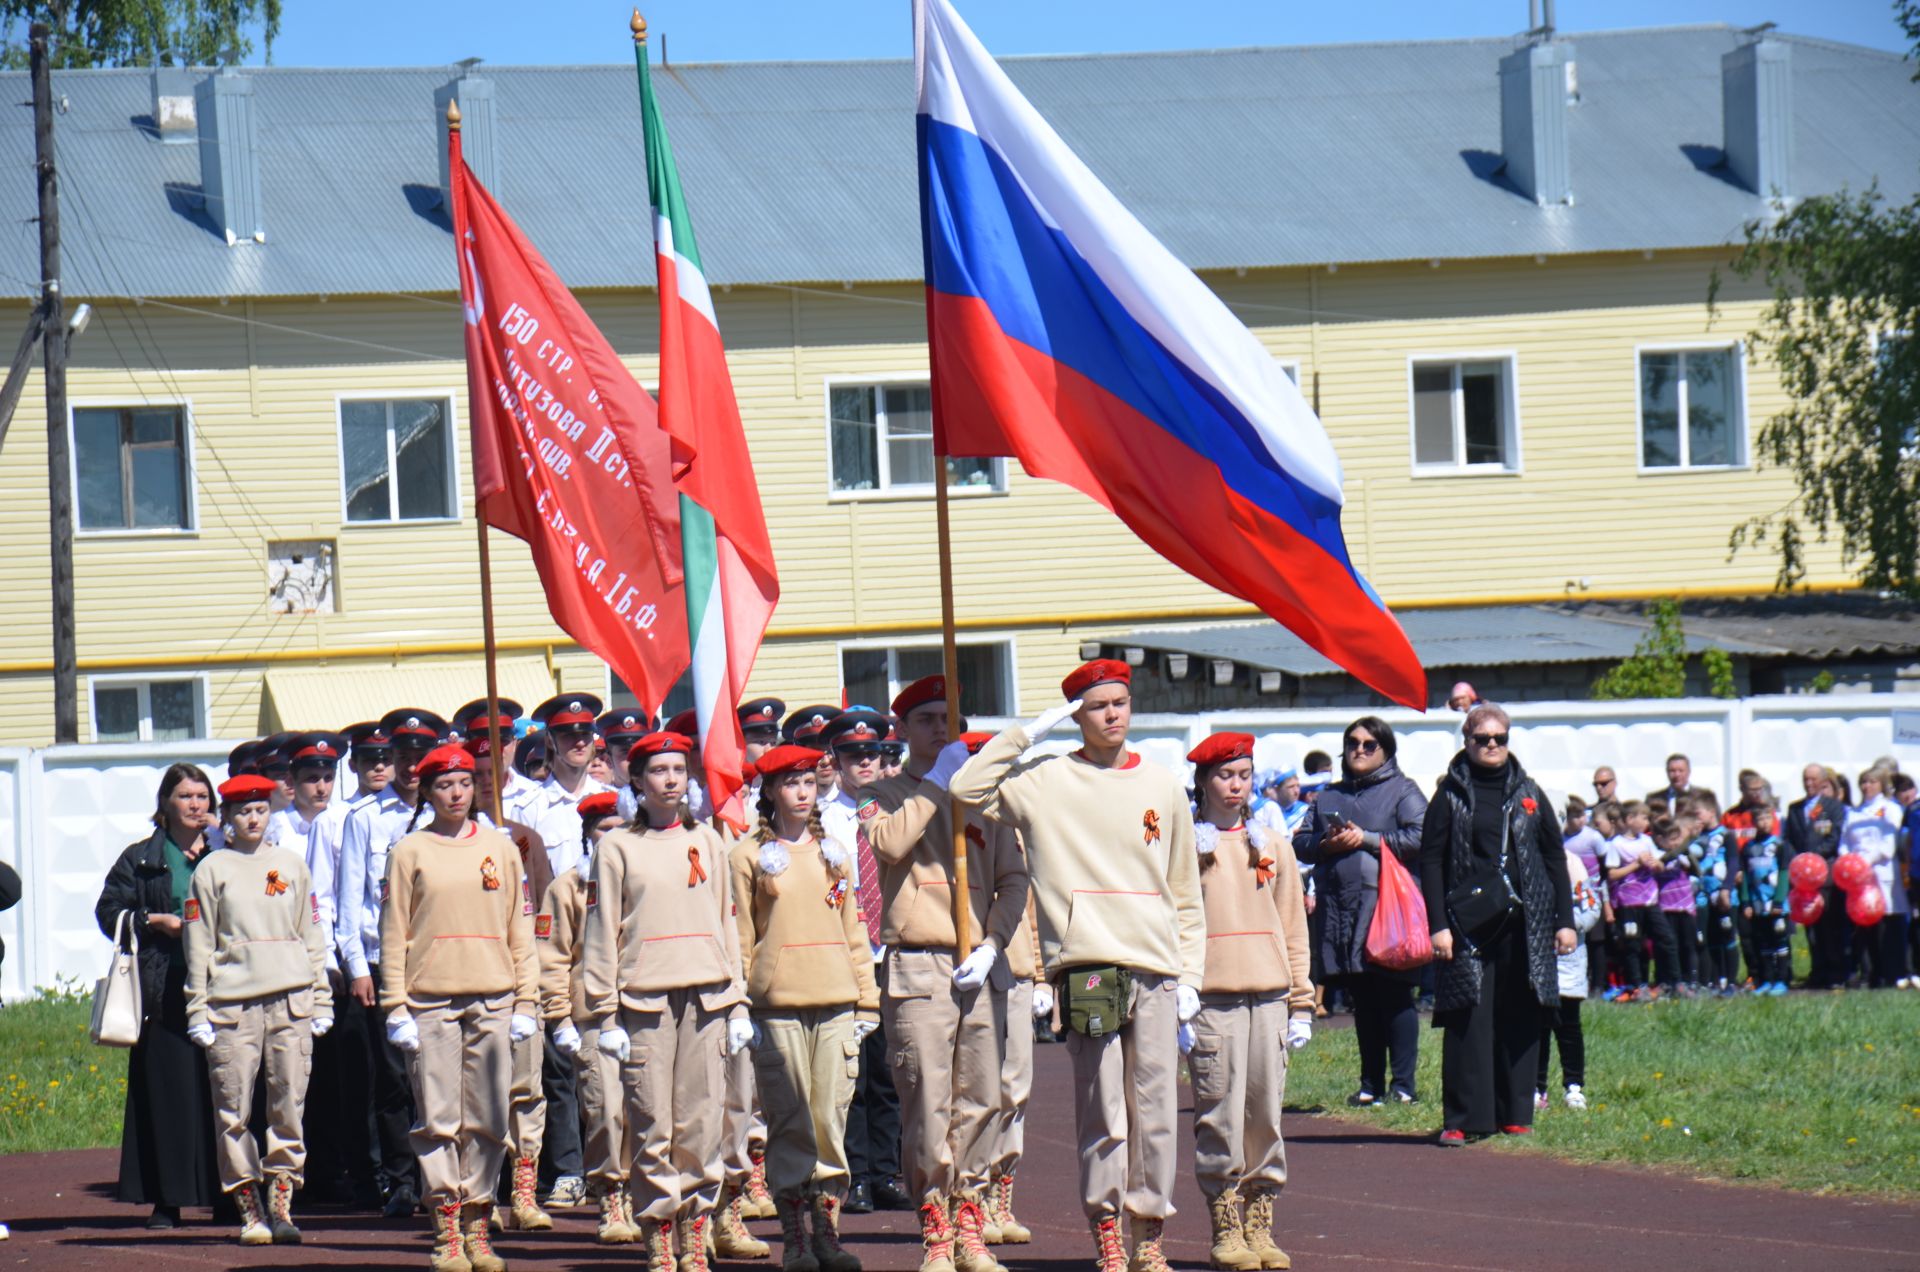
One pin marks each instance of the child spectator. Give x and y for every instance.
(1673, 836)
(1763, 901)
(1563, 1021)
(1716, 869)
(1631, 861)
(1586, 843)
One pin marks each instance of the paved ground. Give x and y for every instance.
(1359, 1199)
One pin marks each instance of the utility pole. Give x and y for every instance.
(53, 318)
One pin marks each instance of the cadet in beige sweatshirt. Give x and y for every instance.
(257, 993)
(460, 984)
(661, 974)
(1255, 1004)
(1109, 840)
(809, 975)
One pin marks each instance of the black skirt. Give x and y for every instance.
(166, 1138)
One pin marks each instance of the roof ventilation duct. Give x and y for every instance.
(478, 134)
(230, 155)
(1756, 101)
(1535, 88)
(173, 105)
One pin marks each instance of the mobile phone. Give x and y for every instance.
(1336, 821)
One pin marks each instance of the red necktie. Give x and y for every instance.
(869, 884)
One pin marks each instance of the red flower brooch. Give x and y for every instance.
(1526, 802)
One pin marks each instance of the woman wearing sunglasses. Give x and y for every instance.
(1494, 871)
(1373, 808)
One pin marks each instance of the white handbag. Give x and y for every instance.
(116, 996)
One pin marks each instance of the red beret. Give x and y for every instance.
(665, 742)
(788, 759)
(686, 724)
(975, 741)
(247, 788)
(919, 694)
(445, 759)
(1101, 671)
(599, 804)
(1222, 748)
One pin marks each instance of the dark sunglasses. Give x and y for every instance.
(761, 733)
(572, 732)
(1488, 739)
(1362, 746)
(857, 752)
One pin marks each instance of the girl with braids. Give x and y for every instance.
(809, 976)
(1256, 1004)
(661, 974)
(460, 985)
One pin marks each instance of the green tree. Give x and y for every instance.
(1657, 668)
(1844, 274)
(88, 33)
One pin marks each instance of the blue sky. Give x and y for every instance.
(520, 32)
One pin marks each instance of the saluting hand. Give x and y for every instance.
(1047, 721)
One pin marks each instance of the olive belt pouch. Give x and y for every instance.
(1098, 999)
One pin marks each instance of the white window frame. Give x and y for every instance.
(192, 504)
(144, 685)
(1010, 660)
(1509, 360)
(1742, 437)
(887, 491)
(454, 426)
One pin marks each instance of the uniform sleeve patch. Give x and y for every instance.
(543, 926)
(191, 914)
(314, 898)
(593, 893)
(867, 809)
(385, 887)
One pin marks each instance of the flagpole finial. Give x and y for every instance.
(639, 26)
(453, 114)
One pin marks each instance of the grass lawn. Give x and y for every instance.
(1814, 1091)
(57, 1090)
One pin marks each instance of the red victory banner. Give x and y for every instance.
(568, 453)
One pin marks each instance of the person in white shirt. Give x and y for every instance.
(568, 719)
(621, 728)
(803, 728)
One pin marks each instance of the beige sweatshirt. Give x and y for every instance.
(912, 839)
(1109, 851)
(1023, 952)
(252, 929)
(1256, 931)
(457, 921)
(557, 932)
(802, 943)
(662, 920)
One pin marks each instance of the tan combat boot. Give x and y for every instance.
(795, 1254)
(936, 1239)
(1000, 1212)
(613, 1228)
(254, 1228)
(525, 1214)
(692, 1234)
(479, 1240)
(826, 1237)
(449, 1250)
(970, 1253)
(1229, 1242)
(759, 1200)
(731, 1240)
(657, 1237)
(1109, 1254)
(1147, 1254)
(1259, 1228)
(280, 1210)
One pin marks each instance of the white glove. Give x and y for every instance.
(1188, 999)
(972, 974)
(1299, 1032)
(1042, 1002)
(521, 1028)
(952, 758)
(1047, 721)
(321, 1024)
(862, 1028)
(566, 1039)
(403, 1033)
(739, 1036)
(202, 1034)
(1185, 1037)
(614, 1041)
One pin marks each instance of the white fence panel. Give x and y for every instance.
(15, 924)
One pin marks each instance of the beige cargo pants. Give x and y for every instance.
(1008, 1125)
(1239, 1068)
(527, 1103)
(246, 1036)
(674, 1079)
(946, 1053)
(462, 1079)
(805, 1065)
(743, 1132)
(1126, 1110)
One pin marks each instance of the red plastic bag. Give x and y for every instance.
(1399, 939)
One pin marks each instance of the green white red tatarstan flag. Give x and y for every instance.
(731, 584)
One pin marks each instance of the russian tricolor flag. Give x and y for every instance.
(1064, 334)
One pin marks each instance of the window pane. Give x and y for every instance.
(96, 466)
(116, 714)
(155, 427)
(978, 473)
(363, 449)
(863, 673)
(853, 441)
(1660, 410)
(158, 464)
(420, 443)
(1710, 407)
(983, 682)
(1480, 404)
(909, 435)
(909, 462)
(174, 719)
(1433, 415)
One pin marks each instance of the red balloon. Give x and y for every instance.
(1808, 872)
(1867, 906)
(1851, 872)
(1805, 908)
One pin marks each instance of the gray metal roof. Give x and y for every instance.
(1802, 625)
(801, 172)
(1480, 636)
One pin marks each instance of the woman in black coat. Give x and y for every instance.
(1373, 808)
(1495, 876)
(166, 1136)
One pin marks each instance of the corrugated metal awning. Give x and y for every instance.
(341, 694)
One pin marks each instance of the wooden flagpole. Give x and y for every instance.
(962, 900)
